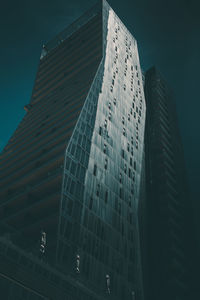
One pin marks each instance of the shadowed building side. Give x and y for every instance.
(32, 162)
(168, 206)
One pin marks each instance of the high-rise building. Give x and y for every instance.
(73, 172)
(168, 205)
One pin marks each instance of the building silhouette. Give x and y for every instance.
(168, 205)
(72, 174)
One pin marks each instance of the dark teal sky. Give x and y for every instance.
(168, 35)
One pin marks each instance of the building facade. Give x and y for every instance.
(25, 276)
(168, 205)
(73, 170)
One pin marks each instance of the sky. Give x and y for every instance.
(168, 35)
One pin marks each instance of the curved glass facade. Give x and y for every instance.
(98, 230)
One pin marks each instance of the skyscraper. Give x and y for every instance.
(73, 170)
(168, 205)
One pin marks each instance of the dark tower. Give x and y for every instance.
(167, 194)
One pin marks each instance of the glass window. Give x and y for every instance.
(125, 168)
(72, 187)
(100, 130)
(120, 177)
(104, 148)
(132, 140)
(73, 149)
(73, 168)
(95, 170)
(131, 150)
(106, 164)
(105, 123)
(98, 189)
